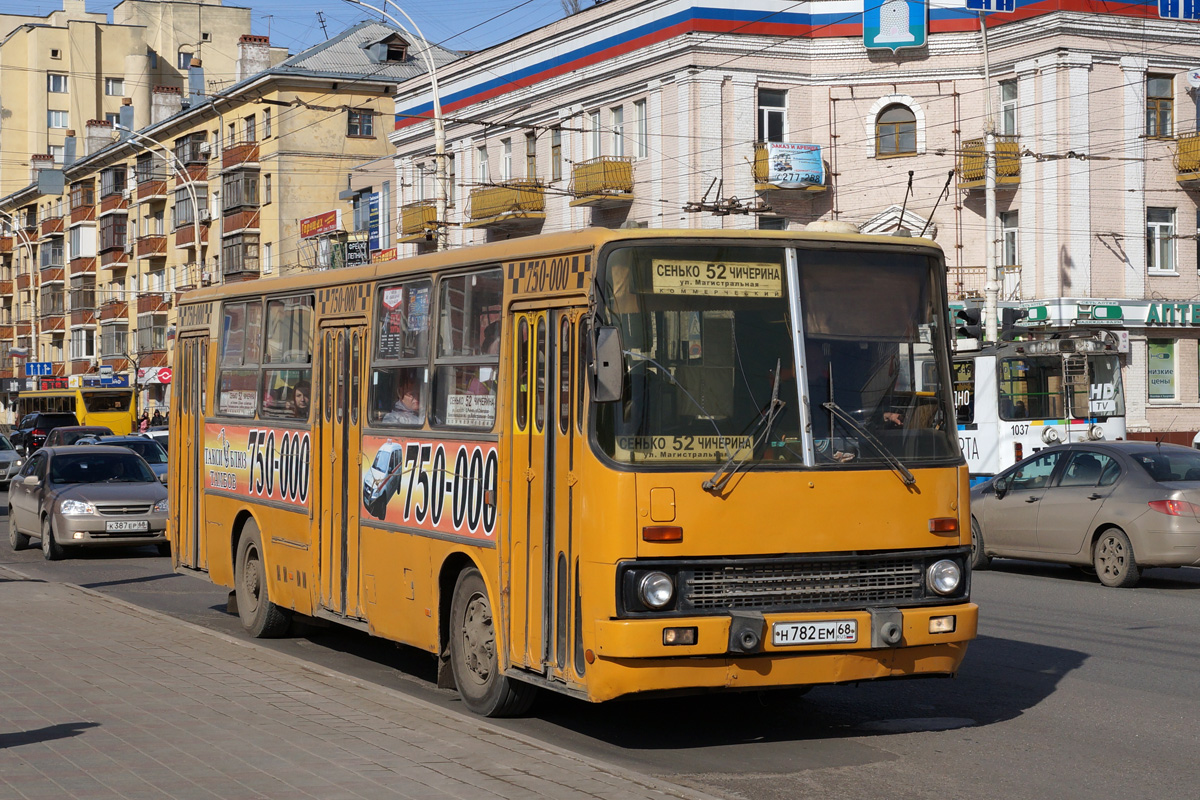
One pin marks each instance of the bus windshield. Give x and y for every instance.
(708, 337)
(104, 402)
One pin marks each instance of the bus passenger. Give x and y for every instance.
(484, 381)
(406, 410)
(301, 399)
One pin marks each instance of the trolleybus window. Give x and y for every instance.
(468, 352)
(401, 361)
(241, 352)
(1039, 387)
(288, 392)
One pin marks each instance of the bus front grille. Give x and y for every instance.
(803, 584)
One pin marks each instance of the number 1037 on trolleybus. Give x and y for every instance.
(599, 463)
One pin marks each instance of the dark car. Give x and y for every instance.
(86, 497)
(1115, 507)
(145, 447)
(70, 434)
(35, 426)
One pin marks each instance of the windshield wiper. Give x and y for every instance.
(860, 429)
(767, 419)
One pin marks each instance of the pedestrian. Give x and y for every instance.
(144, 422)
(157, 419)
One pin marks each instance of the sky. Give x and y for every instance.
(294, 24)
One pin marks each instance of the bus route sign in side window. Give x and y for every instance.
(964, 392)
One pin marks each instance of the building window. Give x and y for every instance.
(360, 122)
(150, 167)
(267, 263)
(112, 181)
(896, 132)
(57, 152)
(596, 144)
(618, 131)
(187, 149)
(771, 114)
(418, 182)
(249, 129)
(530, 156)
(1160, 370)
(113, 228)
(266, 189)
(55, 53)
(451, 177)
(1010, 254)
(556, 154)
(183, 204)
(505, 159)
(83, 342)
(239, 189)
(56, 119)
(484, 174)
(83, 194)
(266, 123)
(113, 118)
(1159, 102)
(185, 60)
(397, 52)
(1160, 239)
(643, 128)
(772, 224)
(239, 254)
(56, 83)
(1008, 108)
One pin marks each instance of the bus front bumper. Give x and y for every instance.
(630, 655)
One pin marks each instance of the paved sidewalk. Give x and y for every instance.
(100, 699)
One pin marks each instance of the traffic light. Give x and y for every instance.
(1009, 317)
(970, 323)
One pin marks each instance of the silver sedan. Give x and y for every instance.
(86, 496)
(1114, 507)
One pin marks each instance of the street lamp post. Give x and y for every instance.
(439, 125)
(32, 290)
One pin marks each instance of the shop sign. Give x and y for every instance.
(54, 382)
(1100, 313)
(383, 255)
(1161, 370)
(1173, 314)
(320, 225)
(154, 375)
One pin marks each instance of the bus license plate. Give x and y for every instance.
(838, 631)
(116, 526)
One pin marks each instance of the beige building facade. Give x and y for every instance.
(237, 185)
(673, 113)
(72, 65)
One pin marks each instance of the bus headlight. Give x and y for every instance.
(944, 577)
(656, 590)
(76, 508)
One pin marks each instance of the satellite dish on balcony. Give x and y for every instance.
(1192, 76)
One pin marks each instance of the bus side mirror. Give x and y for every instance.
(607, 364)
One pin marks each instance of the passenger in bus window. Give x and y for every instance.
(301, 399)
(406, 409)
(484, 381)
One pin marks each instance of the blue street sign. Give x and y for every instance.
(1179, 9)
(35, 369)
(992, 5)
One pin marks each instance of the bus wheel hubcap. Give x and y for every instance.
(478, 638)
(251, 580)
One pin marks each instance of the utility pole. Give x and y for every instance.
(991, 289)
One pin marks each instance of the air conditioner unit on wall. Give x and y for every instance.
(127, 194)
(205, 215)
(205, 148)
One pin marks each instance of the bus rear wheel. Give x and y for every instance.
(261, 618)
(473, 656)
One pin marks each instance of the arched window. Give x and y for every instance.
(896, 132)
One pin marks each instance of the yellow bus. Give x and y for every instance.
(111, 407)
(602, 462)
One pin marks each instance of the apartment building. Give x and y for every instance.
(682, 113)
(71, 66)
(219, 187)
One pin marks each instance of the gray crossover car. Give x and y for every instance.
(10, 461)
(86, 497)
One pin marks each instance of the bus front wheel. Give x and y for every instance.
(473, 656)
(261, 618)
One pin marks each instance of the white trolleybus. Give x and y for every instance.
(1015, 398)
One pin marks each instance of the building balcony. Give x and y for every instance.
(604, 182)
(23, 327)
(24, 280)
(1187, 160)
(417, 219)
(29, 221)
(6, 244)
(154, 303)
(972, 163)
(243, 219)
(83, 214)
(114, 202)
(118, 362)
(81, 366)
(151, 246)
(51, 275)
(6, 288)
(242, 154)
(6, 333)
(83, 265)
(83, 316)
(762, 172)
(247, 270)
(114, 310)
(196, 173)
(186, 234)
(152, 358)
(155, 189)
(512, 205)
(114, 259)
(10, 373)
(50, 226)
(53, 321)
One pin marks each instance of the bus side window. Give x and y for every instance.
(396, 394)
(241, 352)
(467, 360)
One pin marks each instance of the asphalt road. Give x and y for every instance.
(1071, 691)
